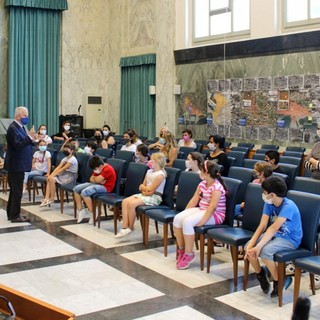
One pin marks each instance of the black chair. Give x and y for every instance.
(186, 151)
(283, 176)
(239, 156)
(187, 186)
(227, 144)
(233, 186)
(244, 149)
(239, 236)
(291, 171)
(299, 149)
(104, 153)
(258, 156)
(262, 150)
(295, 154)
(128, 156)
(309, 207)
(246, 145)
(231, 162)
(179, 164)
(309, 264)
(270, 147)
(305, 184)
(84, 174)
(291, 160)
(249, 163)
(135, 176)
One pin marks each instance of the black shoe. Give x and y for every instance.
(286, 285)
(264, 283)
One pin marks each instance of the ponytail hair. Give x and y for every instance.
(212, 168)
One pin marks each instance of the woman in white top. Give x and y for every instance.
(42, 135)
(187, 140)
(128, 138)
(41, 163)
(65, 172)
(151, 193)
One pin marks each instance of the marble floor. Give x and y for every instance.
(83, 269)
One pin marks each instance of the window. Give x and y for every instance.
(301, 12)
(220, 18)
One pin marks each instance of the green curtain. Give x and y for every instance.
(34, 59)
(137, 106)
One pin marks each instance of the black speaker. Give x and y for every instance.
(76, 123)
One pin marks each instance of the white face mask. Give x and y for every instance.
(105, 132)
(67, 128)
(188, 166)
(43, 131)
(212, 146)
(87, 150)
(264, 198)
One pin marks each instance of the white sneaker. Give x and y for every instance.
(91, 219)
(83, 214)
(290, 268)
(317, 282)
(123, 233)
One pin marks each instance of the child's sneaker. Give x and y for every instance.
(317, 282)
(264, 283)
(185, 261)
(122, 233)
(179, 256)
(83, 214)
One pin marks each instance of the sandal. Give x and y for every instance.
(241, 254)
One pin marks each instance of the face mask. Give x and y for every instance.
(162, 141)
(125, 141)
(97, 171)
(150, 164)
(211, 146)
(43, 132)
(24, 120)
(268, 201)
(188, 164)
(66, 128)
(186, 138)
(66, 153)
(87, 150)
(43, 148)
(105, 133)
(97, 137)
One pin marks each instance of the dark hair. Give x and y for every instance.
(95, 162)
(106, 126)
(41, 125)
(212, 168)
(143, 149)
(41, 140)
(64, 122)
(275, 185)
(133, 135)
(188, 131)
(197, 156)
(219, 140)
(273, 154)
(71, 146)
(92, 144)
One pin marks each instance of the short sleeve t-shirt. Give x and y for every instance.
(110, 177)
(74, 164)
(41, 161)
(291, 229)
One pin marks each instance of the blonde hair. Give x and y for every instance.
(160, 158)
(263, 167)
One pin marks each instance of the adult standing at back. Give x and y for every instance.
(18, 161)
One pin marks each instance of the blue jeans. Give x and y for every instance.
(88, 189)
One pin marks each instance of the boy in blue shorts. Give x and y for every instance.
(102, 180)
(279, 229)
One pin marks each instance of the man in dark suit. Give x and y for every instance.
(18, 160)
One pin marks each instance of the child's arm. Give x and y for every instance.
(49, 167)
(97, 179)
(62, 167)
(214, 201)
(149, 190)
(194, 200)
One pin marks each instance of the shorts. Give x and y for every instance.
(153, 200)
(88, 189)
(66, 177)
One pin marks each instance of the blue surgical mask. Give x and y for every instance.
(43, 148)
(162, 141)
(24, 120)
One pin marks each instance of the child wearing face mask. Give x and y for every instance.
(217, 154)
(207, 206)
(41, 164)
(142, 154)
(42, 135)
(194, 161)
(102, 180)
(187, 140)
(66, 133)
(66, 172)
(280, 229)
(151, 193)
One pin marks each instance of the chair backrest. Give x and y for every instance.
(84, 171)
(247, 145)
(282, 175)
(179, 164)
(118, 166)
(307, 173)
(306, 185)
(309, 207)
(128, 156)
(239, 156)
(269, 146)
(186, 151)
(262, 150)
(243, 174)
(188, 183)
(172, 179)
(135, 176)
(233, 186)
(291, 160)
(249, 163)
(253, 208)
(58, 159)
(231, 161)
(258, 156)
(227, 144)
(290, 170)
(296, 154)
(299, 149)
(244, 149)
(199, 147)
(104, 153)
